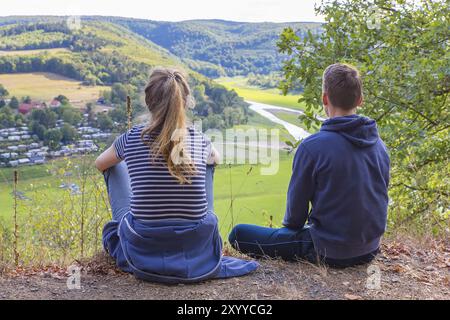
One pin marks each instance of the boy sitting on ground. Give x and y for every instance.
(343, 171)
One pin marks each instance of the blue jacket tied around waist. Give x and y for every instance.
(185, 253)
(169, 249)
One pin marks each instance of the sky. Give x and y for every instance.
(170, 10)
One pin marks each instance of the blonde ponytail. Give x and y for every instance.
(166, 96)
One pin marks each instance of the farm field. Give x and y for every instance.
(44, 86)
(268, 96)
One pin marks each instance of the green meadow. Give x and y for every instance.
(287, 116)
(241, 193)
(268, 96)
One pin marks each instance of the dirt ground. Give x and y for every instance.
(406, 271)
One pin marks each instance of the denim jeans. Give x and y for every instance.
(119, 189)
(288, 244)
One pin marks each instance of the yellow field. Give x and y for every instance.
(31, 52)
(45, 86)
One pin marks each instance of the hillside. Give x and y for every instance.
(214, 48)
(105, 53)
(93, 54)
(220, 48)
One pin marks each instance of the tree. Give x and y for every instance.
(104, 121)
(401, 49)
(90, 112)
(45, 117)
(118, 92)
(7, 118)
(119, 114)
(3, 91)
(71, 116)
(2, 103)
(52, 138)
(62, 99)
(19, 119)
(213, 121)
(69, 133)
(38, 129)
(14, 103)
(232, 116)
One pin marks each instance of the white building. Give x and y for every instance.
(24, 161)
(13, 163)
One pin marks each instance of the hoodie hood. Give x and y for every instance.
(360, 131)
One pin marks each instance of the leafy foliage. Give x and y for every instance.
(42, 124)
(401, 49)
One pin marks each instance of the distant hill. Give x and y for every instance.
(99, 53)
(219, 48)
(213, 48)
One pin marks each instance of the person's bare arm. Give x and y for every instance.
(107, 159)
(214, 157)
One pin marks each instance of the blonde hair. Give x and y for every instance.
(167, 95)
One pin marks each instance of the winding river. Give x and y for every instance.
(264, 110)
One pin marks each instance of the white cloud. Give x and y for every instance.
(170, 10)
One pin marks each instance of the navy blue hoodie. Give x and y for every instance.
(343, 171)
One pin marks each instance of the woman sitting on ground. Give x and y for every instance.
(159, 180)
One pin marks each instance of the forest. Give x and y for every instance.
(213, 48)
(220, 48)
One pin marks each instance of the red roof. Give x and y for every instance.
(25, 108)
(55, 103)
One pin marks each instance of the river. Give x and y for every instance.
(264, 110)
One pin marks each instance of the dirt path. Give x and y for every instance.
(406, 272)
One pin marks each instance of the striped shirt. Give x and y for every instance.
(155, 193)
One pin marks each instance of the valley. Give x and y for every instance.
(93, 70)
(242, 195)
(70, 85)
